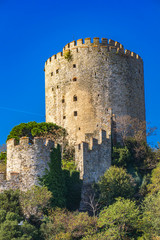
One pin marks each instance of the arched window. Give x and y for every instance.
(74, 79)
(74, 98)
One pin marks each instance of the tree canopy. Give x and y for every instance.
(34, 129)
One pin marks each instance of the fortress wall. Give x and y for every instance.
(94, 158)
(103, 76)
(26, 162)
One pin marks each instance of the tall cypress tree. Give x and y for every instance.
(54, 179)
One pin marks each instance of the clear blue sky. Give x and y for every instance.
(33, 30)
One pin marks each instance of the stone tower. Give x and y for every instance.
(82, 90)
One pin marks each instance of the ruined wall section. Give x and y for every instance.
(99, 77)
(26, 162)
(93, 157)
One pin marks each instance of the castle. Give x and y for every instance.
(86, 85)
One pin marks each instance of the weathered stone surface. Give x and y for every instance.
(102, 76)
(26, 162)
(84, 94)
(93, 157)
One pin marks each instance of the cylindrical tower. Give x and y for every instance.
(86, 80)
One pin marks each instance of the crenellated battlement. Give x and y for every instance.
(25, 142)
(93, 143)
(109, 44)
(27, 160)
(94, 157)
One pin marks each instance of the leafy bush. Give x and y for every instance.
(115, 183)
(33, 129)
(120, 220)
(68, 56)
(154, 186)
(11, 216)
(34, 201)
(3, 156)
(121, 156)
(142, 156)
(12, 230)
(151, 216)
(9, 201)
(3, 160)
(2, 216)
(62, 224)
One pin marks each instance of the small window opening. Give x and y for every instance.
(98, 95)
(79, 128)
(74, 79)
(97, 125)
(51, 73)
(79, 146)
(95, 74)
(57, 70)
(52, 89)
(63, 100)
(57, 87)
(64, 117)
(75, 113)
(74, 65)
(75, 98)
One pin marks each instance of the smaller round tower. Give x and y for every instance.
(27, 162)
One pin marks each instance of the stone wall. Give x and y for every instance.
(26, 162)
(100, 76)
(13, 183)
(93, 157)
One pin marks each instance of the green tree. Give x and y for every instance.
(115, 183)
(2, 215)
(9, 201)
(34, 129)
(121, 156)
(12, 230)
(34, 201)
(154, 186)
(151, 216)
(62, 224)
(54, 180)
(120, 220)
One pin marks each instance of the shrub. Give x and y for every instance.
(34, 201)
(154, 186)
(9, 201)
(62, 224)
(33, 129)
(121, 156)
(115, 183)
(120, 220)
(68, 56)
(151, 216)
